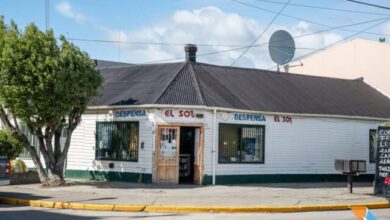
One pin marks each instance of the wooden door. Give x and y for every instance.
(198, 164)
(168, 154)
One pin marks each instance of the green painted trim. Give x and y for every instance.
(283, 178)
(108, 175)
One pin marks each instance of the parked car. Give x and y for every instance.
(5, 170)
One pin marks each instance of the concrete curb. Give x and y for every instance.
(172, 208)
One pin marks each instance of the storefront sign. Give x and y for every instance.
(382, 174)
(130, 113)
(248, 117)
(283, 118)
(179, 113)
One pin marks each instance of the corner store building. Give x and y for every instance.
(197, 123)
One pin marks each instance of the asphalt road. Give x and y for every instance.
(31, 213)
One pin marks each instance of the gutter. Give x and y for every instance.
(203, 107)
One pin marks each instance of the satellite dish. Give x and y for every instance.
(281, 47)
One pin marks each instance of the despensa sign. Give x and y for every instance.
(130, 113)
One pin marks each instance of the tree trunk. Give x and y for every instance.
(54, 158)
(56, 175)
(41, 171)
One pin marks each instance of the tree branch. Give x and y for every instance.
(16, 124)
(57, 144)
(4, 118)
(20, 136)
(42, 148)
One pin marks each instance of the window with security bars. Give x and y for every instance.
(373, 145)
(241, 143)
(31, 138)
(117, 141)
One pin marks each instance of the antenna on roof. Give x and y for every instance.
(281, 47)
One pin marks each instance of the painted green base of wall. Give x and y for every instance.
(283, 178)
(110, 175)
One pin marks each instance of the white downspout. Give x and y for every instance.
(215, 127)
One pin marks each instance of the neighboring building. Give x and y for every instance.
(197, 123)
(350, 60)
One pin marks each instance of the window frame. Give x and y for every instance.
(262, 161)
(111, 159)
(369, 146)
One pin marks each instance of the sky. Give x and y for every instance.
(150, 31)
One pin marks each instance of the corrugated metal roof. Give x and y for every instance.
(100, 64)
(240, 88)
(183, 90)
(136, 84)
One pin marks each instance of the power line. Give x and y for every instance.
(382, 20)
(218, 45)
(226, 45)
(172, 44)
(153, 43)
(301, 19)
(324, 8)
(265, 44)
(332, 28)
(339, 41)
(369, 4)
(258, 37)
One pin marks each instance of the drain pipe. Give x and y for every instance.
(214, 143)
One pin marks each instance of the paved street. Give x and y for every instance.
(32, 213)
(221, 195)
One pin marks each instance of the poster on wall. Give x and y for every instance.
(382, 168)
(168, 148)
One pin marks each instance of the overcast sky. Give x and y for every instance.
(219, 25)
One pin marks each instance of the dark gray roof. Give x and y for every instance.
(240, 88)
(109, 64)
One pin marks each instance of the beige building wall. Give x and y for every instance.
(353, 59)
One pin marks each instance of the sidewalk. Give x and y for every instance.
(120, 193)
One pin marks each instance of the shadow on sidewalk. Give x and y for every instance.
(16, 212)
(19, 195)
(10, 212)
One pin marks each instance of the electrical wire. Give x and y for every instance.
(331, 28)
(175, 44)
(325, 8)
(263, 44)
(339, 41)
(259, 36)
(301, 19)
(154, 43)
(220, 45)
(266, 43)
(369, 4)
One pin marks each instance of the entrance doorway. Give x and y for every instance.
(187, 155)
(179, 154)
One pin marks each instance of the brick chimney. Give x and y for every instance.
(190, 50)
